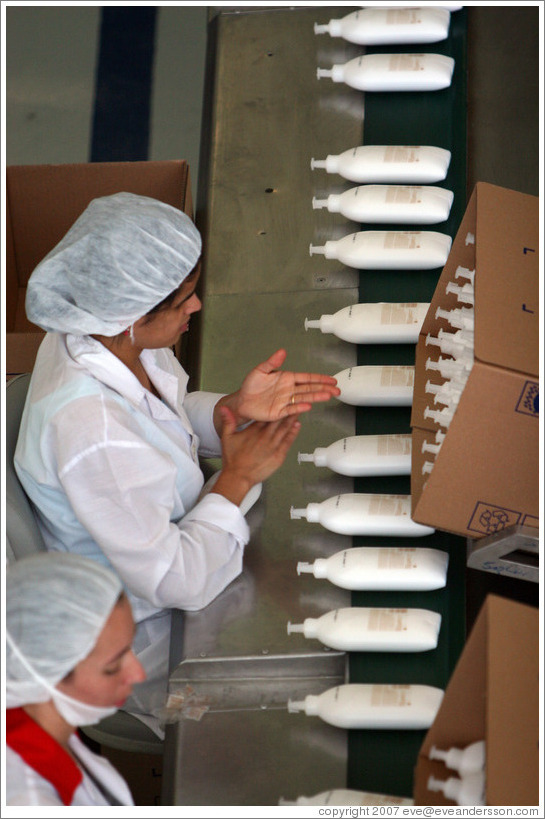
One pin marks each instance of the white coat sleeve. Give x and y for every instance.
(199, 407)
(123, 492)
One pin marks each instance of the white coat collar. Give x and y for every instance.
(109, 370)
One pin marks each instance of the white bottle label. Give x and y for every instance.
(402, 153)
(397, 559)
(403, 17)
(406, 62)
(394, 313)
(387, 696)
(387, 620)
(393, 445)
(397, 377)
(402, 240)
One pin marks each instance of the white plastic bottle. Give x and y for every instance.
(364, 514)
(409, 164)
(375, 26)
(370, 568)
(365, 455)
(367, 629)
(442, 417)
(373, 385)
(445, 393)
(468, 760)
(364, 705)
(459, 344)
(449, 368)
(393, 72)
(465, 273)
(470, 790)
(388, 249)
(344, 796)
(390, 203)
(461, 318)
(374, 322)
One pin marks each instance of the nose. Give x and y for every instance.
(135, 670)
(194, 304)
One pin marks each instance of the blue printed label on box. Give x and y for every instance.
(487, 519)
(528, 403)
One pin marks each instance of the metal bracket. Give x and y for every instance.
(513, 552)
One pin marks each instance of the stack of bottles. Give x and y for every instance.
(401, 167)
(392, 72)
(396, 185)
(343, 796)
(469, 786)
(455, 362)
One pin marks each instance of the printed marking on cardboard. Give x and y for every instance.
(530, 520)
(528, 403)
(487, 519)
(513, 570)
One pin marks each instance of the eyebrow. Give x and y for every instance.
(123, 651)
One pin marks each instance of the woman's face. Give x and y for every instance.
(106, 676)
(163, 328)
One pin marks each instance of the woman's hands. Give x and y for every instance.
(252, 454)
(269, 394)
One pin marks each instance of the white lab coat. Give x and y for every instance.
(40, 772)
(113, 473)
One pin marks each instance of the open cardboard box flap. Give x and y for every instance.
(493, 694)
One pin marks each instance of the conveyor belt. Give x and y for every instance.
(437, 118)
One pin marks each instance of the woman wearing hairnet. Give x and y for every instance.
(69, 662)
(109, 442)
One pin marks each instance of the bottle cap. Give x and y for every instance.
(324, 72)
(303, 457)
(297, 514)
(309, 705)
(435, 784)
(465, 293)
(316, 249)
(294, 706)
(433, 448)
(295, 628)
(305, 568)
(321, 29)
(436, 753)
(317, 163)
(313, 323)
(325, 323)
(431, 388)
(319, 203)
(465, 273)
(332, 203)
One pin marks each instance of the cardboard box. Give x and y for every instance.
(485, 477)
(493, 695)
(43, 201)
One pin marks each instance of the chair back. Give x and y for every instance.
(23, 537)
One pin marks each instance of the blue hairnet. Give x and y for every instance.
(56, 607)
(120, 258)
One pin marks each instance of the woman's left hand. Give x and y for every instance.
(269, 394)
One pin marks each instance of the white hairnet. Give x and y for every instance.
(120, 258)
(56, 606)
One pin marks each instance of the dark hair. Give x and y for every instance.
(167, 301)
